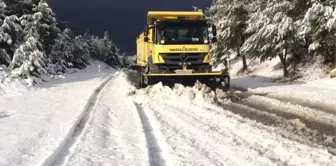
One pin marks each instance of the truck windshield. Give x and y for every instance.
(182, 33)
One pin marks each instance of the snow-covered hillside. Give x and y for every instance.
(34, 43)
(272, 69)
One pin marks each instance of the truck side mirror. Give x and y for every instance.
(146, 30)
(146, 39)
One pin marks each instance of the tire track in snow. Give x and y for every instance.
(288, 128)
(191, 137)
(314, 133)
(217, 133)
(318, 106)
(289, 111)
(62, 151)
(156, 151)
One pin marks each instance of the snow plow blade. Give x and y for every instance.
(213, 79)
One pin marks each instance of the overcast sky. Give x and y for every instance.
(124, 19)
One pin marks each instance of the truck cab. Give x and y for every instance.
(176, 45)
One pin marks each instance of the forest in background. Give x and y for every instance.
(295, 31)
(33, 42)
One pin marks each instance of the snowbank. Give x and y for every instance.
(10, 86)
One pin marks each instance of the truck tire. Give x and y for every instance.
(142, 83)
(227, 82)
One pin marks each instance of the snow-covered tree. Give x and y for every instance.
(30, 38)
(4, 38)
(319, 26)
(105, 50)
(47, 27)
(81, 52)
(28, 60)
(230, 18)
(127, 60)
(10, 35)
(274, 28)
(273, 32)
(20, 7)
(61, 56)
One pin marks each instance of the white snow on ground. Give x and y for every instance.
(200, 133)
(33, 123)
(10, 86)
(272, 69)
(114, 134)
(314, 89)
(319, 94)
(179, 126)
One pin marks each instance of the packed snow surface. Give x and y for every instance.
(200, 133)
(313, 87)
(34, 122)
(114, 135)
(157, 125)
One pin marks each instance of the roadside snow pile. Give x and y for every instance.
(199, 93)
(10, 86)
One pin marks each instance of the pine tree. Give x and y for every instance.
(273, 32)
(47, 27)
(28, 60)
(81, 52)
(231, 18)
(30, 38)
(319, 26)
(61, 56)
(10, 35)
(4, 37)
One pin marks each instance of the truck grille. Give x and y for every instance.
(174, 61)
(178, 58)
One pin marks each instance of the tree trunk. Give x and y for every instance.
(244, 62)
(284, 63)
(243, 58)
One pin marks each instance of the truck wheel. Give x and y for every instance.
(227, 82)
(142, 79)
(142, 82)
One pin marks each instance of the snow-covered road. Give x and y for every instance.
(158, 125)
(113, 134)
(181, 126)
(35, 124)
(200, 133)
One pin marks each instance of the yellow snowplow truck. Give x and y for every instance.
(175, 48)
